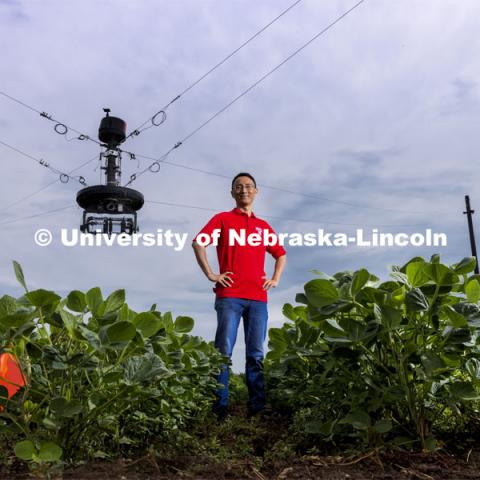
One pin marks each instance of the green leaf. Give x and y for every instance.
(416, 274)
(183, 324)
(168, 320)
(120, 332)
(470, 311)
(41, 298)
(24, 450)
(457, 336)
(323, 275)
(359, 420)
(50, 424)
(389, 317)
(466, 265)
(321, 292)
(3, 396)
(50, 452)
(399, 277)
(341, 305)
(318, 427)
(301, 312)
(69, 320)
(64, 408)
(416, 301)
(94, 299)
(455, 319)
(332, 328)
(355, 331)
(472, 291)
(404, 268)
(430, 444)
(144, 368)
(114, 301)
(472, 366)
(147, 324)
(464, 391)
(383, 426)
(301, 298)
(359, 280)
(277, 340)
(16, 320)
(440, 274)
(123, 314)
(431, 362)
(19, 274)
(55, 319)
(8, 305)
(76, 301)
(289, 312)
(398, 295)
(90, 336)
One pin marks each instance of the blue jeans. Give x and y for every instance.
(255, 316)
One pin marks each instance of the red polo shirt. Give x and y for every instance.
(247, 262)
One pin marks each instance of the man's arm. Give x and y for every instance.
(280, 263)
(201, 256)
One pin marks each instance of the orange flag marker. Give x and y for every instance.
(11, 376)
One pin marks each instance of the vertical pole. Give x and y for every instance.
(469, 213)
(111, 170)
(111, 167)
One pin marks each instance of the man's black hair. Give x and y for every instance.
(244, 174)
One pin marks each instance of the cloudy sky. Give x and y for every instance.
(373, 125)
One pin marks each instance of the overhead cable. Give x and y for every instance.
(63, 177)
(286, 219)
(161, 115)
(60, 127)
(323, 198)
(155, 164)
(41, 189)
(18, 219)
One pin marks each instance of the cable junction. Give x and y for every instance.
(60, 127)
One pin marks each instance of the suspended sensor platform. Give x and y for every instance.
(112, 129)
(110, 208)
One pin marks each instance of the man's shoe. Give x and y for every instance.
(221, 413)
(253, 412)
(264, 412)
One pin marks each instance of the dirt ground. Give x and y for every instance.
(390, 466)
(247, 442)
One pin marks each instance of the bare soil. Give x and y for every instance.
(248, 442)
(390, 466)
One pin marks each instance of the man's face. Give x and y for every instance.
(244, 191)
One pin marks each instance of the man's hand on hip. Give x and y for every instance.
(267, 284)
(223, 279)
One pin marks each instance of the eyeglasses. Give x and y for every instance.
(249, 187)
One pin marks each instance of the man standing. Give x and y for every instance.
(241, 288)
